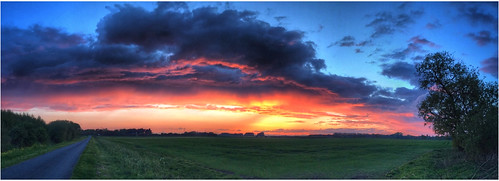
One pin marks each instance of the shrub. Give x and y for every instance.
(21, 130)
(63, 130)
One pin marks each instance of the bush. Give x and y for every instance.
(21, 130)
(63, 130)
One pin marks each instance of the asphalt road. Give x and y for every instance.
(57, 164)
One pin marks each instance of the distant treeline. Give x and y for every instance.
(147, 132)
(120, 132)
(23, 130)
(397, 135)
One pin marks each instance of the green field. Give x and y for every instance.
(288, 158)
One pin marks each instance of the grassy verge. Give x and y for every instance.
(446, 164)
(181, 158)
(18, 155)
(86, 166)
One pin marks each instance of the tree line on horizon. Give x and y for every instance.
(147, 132)
(397, 135)
(117, 132)
(21, 130)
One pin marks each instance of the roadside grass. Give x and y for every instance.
(18, 155)
(85, 168)
(104, 159)
(446, 164)
(273, 158)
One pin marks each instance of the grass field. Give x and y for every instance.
(447, 164)
(288, 158)
(18, 155)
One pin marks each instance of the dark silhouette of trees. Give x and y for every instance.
(397, 135)
(120, 132)
(249, 134)
(231, 134)
(21, 130)
(459, 104)
(63, 130)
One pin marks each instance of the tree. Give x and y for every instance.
(459, 104)
(398, 135)
(63, 130)
(21, 130)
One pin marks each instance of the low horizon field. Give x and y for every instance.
(248, 158)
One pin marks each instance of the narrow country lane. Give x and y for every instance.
(57, 164)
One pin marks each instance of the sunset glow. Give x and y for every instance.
(176, 67)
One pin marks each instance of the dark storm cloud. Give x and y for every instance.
(25, 40)
(116, 54)
(175, 6)
(399, 100)
(385, 23)
(218, 74)
(38, 50)
(317, 64)
(232, 36)
(489, 65)
(401, 70)
(345, 86)
(160, 51)
(134, 25)
(42, 53)
(483, 38)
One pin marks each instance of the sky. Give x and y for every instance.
(285, 68)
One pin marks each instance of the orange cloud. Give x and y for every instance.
(203, 109)
(217, 111)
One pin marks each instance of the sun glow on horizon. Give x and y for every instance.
(236, 117)
(236, 69)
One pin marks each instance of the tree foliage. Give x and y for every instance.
(21, 130)
(459, 104)
(63, 130)
(120, 132)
